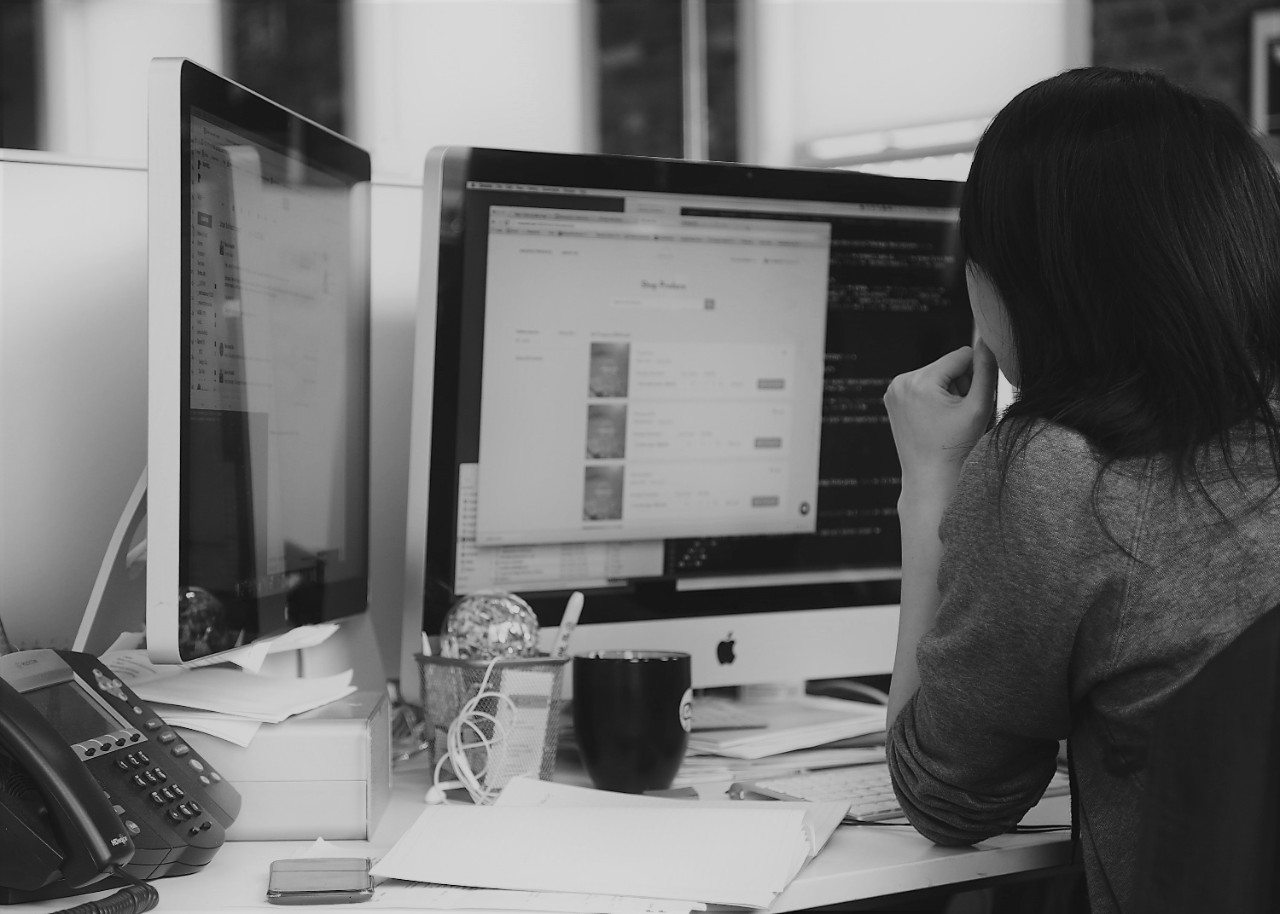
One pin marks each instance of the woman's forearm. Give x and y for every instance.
(920, 514)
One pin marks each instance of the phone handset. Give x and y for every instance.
(88, 829)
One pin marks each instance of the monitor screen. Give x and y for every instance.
(258, 423)
(660, 383)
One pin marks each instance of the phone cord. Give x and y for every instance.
(132, 899)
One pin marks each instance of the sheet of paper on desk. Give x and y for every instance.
(814, 720)
(820, 819)
(740, 855)
(409, 896)
(397, 895)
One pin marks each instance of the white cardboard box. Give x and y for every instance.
(322, 774)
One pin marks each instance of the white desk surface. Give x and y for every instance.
(858, 862)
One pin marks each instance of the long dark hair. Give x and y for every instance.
(1132, 229)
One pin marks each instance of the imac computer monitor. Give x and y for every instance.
(257, 485)
(660, 383)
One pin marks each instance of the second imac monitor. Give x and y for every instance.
(258, 435)
(660, 383)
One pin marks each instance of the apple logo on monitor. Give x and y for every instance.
(724, 650)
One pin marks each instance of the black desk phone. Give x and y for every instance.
(93, 784)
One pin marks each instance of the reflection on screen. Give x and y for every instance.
(273, 452)
(692, 345)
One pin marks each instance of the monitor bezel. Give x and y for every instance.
(176, 86)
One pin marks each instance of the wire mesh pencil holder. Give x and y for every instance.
(505, 715)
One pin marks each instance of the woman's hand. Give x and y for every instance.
(939, 412)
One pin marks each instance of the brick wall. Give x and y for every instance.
(1203, 44)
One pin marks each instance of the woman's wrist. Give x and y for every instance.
(926, 495)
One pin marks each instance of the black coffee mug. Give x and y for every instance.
(632, 712)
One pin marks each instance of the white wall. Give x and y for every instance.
(824, 68)
(97, 53)
(513, 72)
(426, 72)
(471, 72)
(73, 382)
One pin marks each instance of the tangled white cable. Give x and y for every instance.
(485, 731)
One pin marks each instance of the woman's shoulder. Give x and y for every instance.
(1034, 488)
(1048, 476)
(1036, 455)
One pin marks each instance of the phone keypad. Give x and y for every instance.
(170, 800)
(133, 760)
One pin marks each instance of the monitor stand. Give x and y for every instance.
(118, 605)
(118, 601)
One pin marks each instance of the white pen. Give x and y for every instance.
(572, 610)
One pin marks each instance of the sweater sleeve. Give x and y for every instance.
(974, 748)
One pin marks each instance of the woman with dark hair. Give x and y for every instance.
(1067, 569)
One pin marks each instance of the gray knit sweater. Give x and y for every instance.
(1071, 607)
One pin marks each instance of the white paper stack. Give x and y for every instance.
(545, 837)
(239, 693)
(231, 700)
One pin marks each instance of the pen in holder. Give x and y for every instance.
(492, 719)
